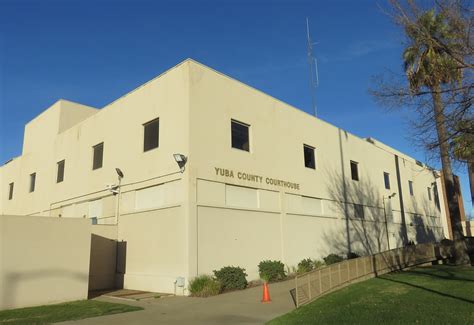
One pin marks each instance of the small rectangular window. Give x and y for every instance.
(151, 135)
(60, 174)
(436, 196)
(240, 135)
(98, 152)
(429, 193)
(354, 170)
(309, 159)
(10, 190)
(359, 211)
(32, 182)
(386, 179)
(410, 186)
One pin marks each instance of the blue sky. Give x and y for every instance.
(95, 51)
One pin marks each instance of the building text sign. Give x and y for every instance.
(255, 178)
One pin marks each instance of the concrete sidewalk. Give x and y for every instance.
(239, 307)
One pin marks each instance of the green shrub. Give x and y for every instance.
(333, 258)
(271, 270)
(305, 265)
(231, 277)
(318, 264)
(204, 286)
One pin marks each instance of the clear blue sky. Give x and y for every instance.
(95, 51)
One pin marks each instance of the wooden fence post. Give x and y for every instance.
(320, 284)
(296, 292)
(309, 286)
(339, 267)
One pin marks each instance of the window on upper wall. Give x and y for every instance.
(151, 135)
(359, 211)
(355, 170)
(32, 182)
(429, 193)
(309, 159)
(240, 135)
(10, 190)
(436, 196)
(60, 174)
(98, 156)
(386, 179)
(410, 187)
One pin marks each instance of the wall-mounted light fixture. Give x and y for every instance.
(119, 173)
(180, 160)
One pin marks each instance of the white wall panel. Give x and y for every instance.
(242, 197)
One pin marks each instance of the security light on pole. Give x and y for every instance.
(385, 215)
(119, 192)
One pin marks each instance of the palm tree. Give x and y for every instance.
(463, 150)
(429, 67)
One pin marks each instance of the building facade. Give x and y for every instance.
(263, 180)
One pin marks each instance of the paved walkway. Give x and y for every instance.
(239, 307)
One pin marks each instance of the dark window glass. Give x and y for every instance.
(386, 179)
(359, 211)
(240, 136)
(410, 186)
(436, 196)
(98, 156)
(151, 136)
(60, 175)
(354, 170)
(32, 182)
(10, 190)
(309, 160)
(429, 193)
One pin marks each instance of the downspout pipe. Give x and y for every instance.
(402, 206)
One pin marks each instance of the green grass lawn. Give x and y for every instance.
(62, 312)
(424, 295)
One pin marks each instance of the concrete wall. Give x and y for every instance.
(152, 194)
(43, 260)
(253, 219)
(155, 244)
(53, 136)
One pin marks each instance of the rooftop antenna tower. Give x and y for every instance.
(313, 70)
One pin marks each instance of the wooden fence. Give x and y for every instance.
(316, 283)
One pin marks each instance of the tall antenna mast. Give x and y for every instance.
(313, 70)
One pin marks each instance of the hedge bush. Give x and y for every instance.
(204, 286)
(333, 258)
(317, 264)
(305, 265)
(352, 255)
(271, 270)
(231, 277)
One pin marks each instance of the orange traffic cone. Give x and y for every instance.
(266, 293)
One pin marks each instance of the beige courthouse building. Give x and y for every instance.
(260, 180)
